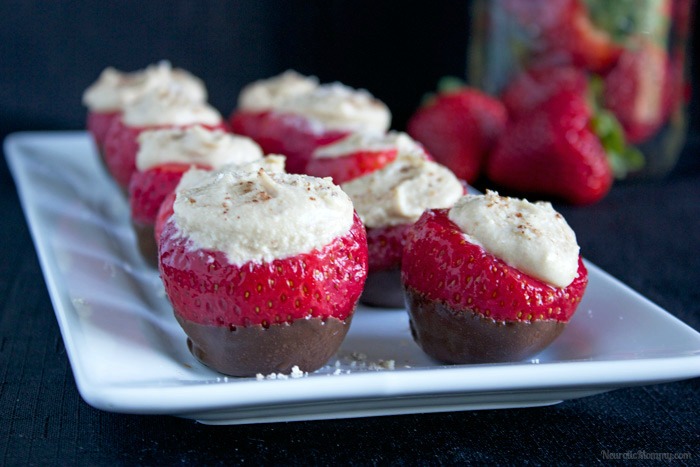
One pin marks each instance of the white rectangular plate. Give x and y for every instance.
(128, 353)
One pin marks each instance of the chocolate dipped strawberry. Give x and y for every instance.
(263, 270)
(291, 114)
(388, 201)
(493, 279)
(107, 96)
(163, 156)
(163, 107)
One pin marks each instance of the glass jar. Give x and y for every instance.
(629, 56)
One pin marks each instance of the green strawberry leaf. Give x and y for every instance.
(596, 87)
(445, 84)
(624, 20)
(449, 84)
(623, 158)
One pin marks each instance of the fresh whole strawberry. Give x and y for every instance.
(459, 128)
(468, 306)
(281, 133)
(532, 87)
(554, 152)
(639, 90)
(564, 33)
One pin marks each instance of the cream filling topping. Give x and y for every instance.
(194, 145)
(168, 106)
(267, 93)
(401, 191)
(260, 215)
(114, 88)
(531, 237)
(371, 142)
(338, 107)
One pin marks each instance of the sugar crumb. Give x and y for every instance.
(295, 373)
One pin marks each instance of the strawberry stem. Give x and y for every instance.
(622, 157)
(449, 84)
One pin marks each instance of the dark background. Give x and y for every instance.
(50, 51)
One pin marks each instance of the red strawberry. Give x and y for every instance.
(532, 87)
(261, 317)
(359, 154)
(344, 168)
(98, 124)
(385, 246)
(553, 152)
(288, 134)
(385, 249)
(468, 306)
(164, 212)
(565, 33)
(121, 146)
(459, 128)
(322, 283)
(149, 188)
(639, 90)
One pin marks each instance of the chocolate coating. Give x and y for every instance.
(383, 289)
(247, 351)
(146, 241)
(462, 336)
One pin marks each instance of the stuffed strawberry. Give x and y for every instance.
(258, 284)
(293, 115)
(359, 154)
(388, 201)
(106, 97)
(147, 191)
(164, 107)
(493, 279)
(163, 156)
(554, 152)
(459, 127)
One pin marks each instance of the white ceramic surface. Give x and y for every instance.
(129, 355)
